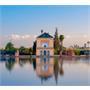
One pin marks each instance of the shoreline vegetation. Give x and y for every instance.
(59, 49)
(34, 56)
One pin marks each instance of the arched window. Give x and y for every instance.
(45, 44)
(41, 52)
(48, 53)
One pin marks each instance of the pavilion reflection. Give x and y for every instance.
(44, 68)
(48, 67)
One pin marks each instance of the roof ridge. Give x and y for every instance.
(45, 35)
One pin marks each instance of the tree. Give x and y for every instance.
(30, 51)
(56, 42)
(22, 49)
(88, 42)
(26, 51)
(77, 51)
(85, 45)
(9, 46)
(34, 47)
(61, 38)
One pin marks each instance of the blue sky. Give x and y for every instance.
(20, 21)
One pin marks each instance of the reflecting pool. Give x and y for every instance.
(44, 71)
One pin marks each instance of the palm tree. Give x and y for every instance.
(85, 45)
(61, 38)
(88, 42)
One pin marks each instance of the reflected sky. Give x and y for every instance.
(41, 71)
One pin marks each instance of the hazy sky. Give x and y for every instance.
(21, 24)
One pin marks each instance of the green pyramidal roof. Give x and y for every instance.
(45, 35)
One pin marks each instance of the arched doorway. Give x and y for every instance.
(45, 52)
(41, 53)
(48, 53)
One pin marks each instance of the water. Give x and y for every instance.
(44, 71)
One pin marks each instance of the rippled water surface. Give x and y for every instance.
(45, 71)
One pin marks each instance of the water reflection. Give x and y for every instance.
(58, 68)
(10, 63)
(34, 64)
(45, 68)
(61, 66)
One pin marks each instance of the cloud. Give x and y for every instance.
(35, 36)
(15, 36)
(85, 36)
(18, 40)
(20, 37)
(68, 36)
(27, 40)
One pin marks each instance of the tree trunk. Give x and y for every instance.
(61, 46)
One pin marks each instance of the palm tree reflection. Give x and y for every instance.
(56, 69)
(44, 67)
(61, 66)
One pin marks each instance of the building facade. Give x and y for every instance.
(45, 45)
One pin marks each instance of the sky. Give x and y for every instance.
(22, 24)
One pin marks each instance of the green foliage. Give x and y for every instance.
(77, 51)
(31, 51)
(10, 47)
(56, 52)
(61, 38)
(56, 42)
(24, 50)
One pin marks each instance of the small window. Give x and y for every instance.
(48, 53)
(45, 46)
